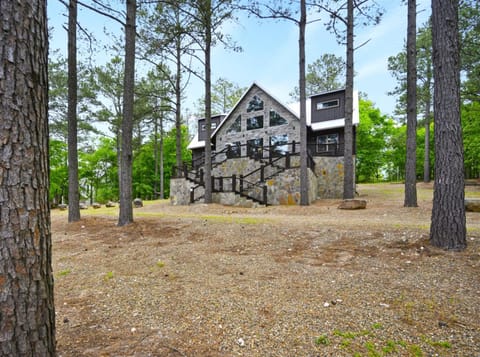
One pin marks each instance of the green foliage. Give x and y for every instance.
(225, 95)
(471, 138)
(58, 171)
(324, 74)
(98, 171)
(373, 143)
(322, 340)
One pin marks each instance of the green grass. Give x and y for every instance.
(64, 272)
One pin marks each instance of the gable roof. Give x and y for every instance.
(254, 84)
(293, 108)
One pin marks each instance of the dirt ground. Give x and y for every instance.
(210, 280)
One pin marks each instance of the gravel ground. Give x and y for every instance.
(209, 280)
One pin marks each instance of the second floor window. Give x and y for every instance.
(255, 122)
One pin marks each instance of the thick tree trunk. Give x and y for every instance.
(410, 199)
(73, 190)
(349, 178)
(448, 227)
(126, 210)
(208, 104)
(27, 314)
(304, 201)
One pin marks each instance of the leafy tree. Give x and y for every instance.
(225, 95)
(27, 322)
(58, 100)
(471, 135)
(373, 138)
(343, 15)
(448, 227)
(165, 38)
(98, 172)
(324, 74)
(58, 170)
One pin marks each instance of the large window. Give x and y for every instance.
(255, 122)
(255, 148)
(328, 104)
(327, 143)
(276, 119)
(256, 103)
(236, 126)
(279, 144)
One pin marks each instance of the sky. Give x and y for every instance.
(270, 51)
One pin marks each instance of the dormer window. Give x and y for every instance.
(255, 104)
(328, 104)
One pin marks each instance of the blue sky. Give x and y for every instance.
(270, 51)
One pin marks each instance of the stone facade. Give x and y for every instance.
(260, 132)
(227, 134)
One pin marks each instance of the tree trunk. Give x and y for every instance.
(178, 98)
(304, 201)
(349, 178)
(73, 190)
(208, 103)
(448, 227)
(411, 159)
(27, 313)
(162, 168)
(126, 210)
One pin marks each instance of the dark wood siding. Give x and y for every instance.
(312, 141)
(337, 112)
(201, 123)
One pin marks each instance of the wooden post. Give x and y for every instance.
(192, 195)
(241, 183)
(293, 147)
(220, 183)
(287, 160)
(262, 173)
(234, 182)
(265, 194)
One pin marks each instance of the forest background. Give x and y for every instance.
(381, 137)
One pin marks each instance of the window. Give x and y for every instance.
(213, 125)
(328, 104)
(255, 104)
(255, 148)
(327, 143)
(236, 126)
(255, 122)
(276, 119)
(279, 144)
(234, 149)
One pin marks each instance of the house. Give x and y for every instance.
(255, 151)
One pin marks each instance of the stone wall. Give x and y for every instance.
(282, 189)
(329, 171)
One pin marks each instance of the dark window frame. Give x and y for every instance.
(257, 119)
(327, 104)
